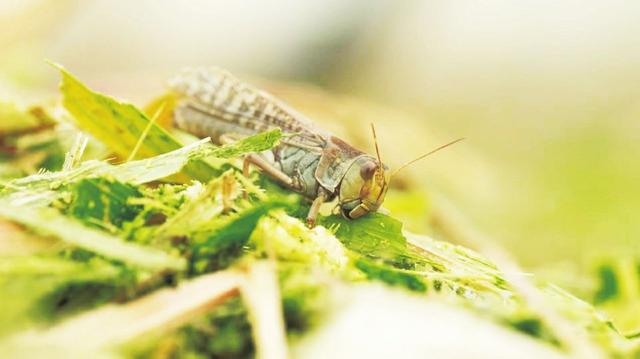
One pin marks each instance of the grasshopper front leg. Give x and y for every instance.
(315, 208)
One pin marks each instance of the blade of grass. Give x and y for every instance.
(153, 121)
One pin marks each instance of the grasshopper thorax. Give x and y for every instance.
(363, 187)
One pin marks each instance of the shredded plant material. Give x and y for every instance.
(207, 262)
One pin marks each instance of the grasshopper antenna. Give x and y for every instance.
(425, 155)
(375, 142)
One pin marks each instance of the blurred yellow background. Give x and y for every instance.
(546, 93)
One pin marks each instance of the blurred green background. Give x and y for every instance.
(546, 93)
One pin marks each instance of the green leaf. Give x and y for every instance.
(48, 221)
(161, 166)
(224, 245)
(103, 202)
(120, 125)
(256, 143)
(391, 276)
(135, 172)
(42, 188)
(29, 284)
(305, 295)
(51, 265)
(608, 284)
(374, 236)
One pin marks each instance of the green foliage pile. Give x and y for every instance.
(118, 230)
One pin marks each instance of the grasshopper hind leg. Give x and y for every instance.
(271, 170)
(315, 208)
(275, 173)
(287, 181)
(264, 165)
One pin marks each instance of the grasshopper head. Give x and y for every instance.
(365, 183)
(363, 187)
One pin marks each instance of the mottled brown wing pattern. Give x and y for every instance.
(225, 98)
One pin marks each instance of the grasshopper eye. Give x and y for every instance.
(368, 170)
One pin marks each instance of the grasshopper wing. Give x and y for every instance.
(238, 106)
(215, 102)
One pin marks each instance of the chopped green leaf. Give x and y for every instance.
(119, 125)
(50, 222)
(256, 143)
(28, 285)
(101, 201)
(135, 172)
(389, 275)
(224, 245)
(375, 236)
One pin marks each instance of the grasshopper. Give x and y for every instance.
(311, 161)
